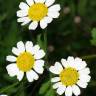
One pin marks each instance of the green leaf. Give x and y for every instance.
(44, 88)
(50, 92)
(92, 83)
(93, 41)
(12, 37)
(40, 42)
(94, 33)
(2, 90)
(3, 17)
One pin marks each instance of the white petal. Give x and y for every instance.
(64, 63)
(31, 75)
(38, 66)
(40, 54)
(21, 46)
(56, 69)
(71, 61)
(33, 25)
(29, 46)
(49, 2)
(22, 13)
(20, 75)
(82, 84)
(53, 14)
(23, 6)
(57, 85)
(76, 90)
(55, 79)
(55, 7)
(48, 19)
(43, 24)
(85, 71)
(80, 64)
(35, 49)
(15, 51)
(25, 20)
(39, 63)
(3, 95)
(83, 65)
(24, 23)
(40, 1)
(61, 90)
(12, 69)
(39, 70)
(30, 2)
(68, 91)
(11, 58)
(84, 78)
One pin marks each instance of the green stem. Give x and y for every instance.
(45, 40)
(89, 56)
(8, 87)
(45, 47)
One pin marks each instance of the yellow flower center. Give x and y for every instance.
(37, 11)
(25, 61)
(69, 76)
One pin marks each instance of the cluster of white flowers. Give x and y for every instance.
(72, 73)
(27, 58)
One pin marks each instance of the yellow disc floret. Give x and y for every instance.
(25, 61)
(69, 76)
(37, 11)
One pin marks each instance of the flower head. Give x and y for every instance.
(27, 60)
(71, 74)
(35, 11)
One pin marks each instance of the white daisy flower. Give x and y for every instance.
(35, 11)
(27, 60)
(71, 74)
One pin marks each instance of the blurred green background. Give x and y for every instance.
(72, 34)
